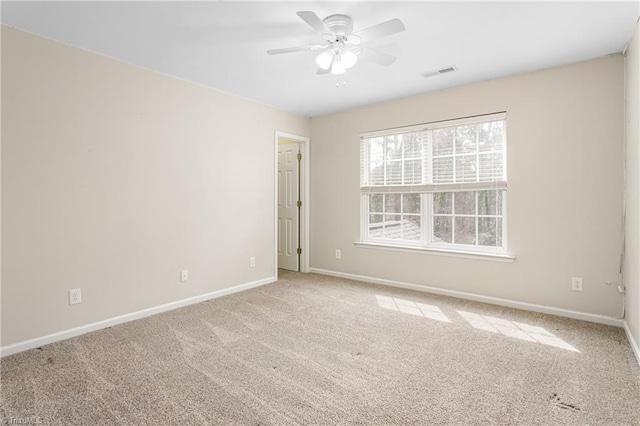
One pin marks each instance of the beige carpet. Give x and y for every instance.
(311, 349)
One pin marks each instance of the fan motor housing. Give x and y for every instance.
(340, 25)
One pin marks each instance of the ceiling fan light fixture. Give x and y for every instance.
(338, 67)
(325, 59)
(348, 59)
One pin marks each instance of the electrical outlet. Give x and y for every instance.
(252, 261)
(576, 284)
(184, 275)
(338, 254)
(75, 296)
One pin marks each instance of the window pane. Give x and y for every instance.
(413, 172)
(443, 170)
(466, 166)
(411, 229)
(490, 231)
(487, 231)
(443, 141)
(392, 227)
(375, 226)
(376, 175)
(412, 145)
(491, 167)
(442, 203)
(376, 163)
(465, 203)
(442, 229)
(392, 203)
(465, 139)
(490, 203)
(376, 146)
(411, 203)
(465, 230)
(393, 147)
(490, 136)
(375, 202)
(375, 219)
(394, 173)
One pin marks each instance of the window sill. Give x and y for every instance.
(506, 258)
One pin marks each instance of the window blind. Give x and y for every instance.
(456, 155)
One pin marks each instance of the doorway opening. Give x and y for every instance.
(291, 203)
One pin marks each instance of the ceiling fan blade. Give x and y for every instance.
(321, 71)
(295, 49)
(377, 57)
(313, 21)
(383, 29)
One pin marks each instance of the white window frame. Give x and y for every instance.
(427, 192)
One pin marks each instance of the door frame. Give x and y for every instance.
(305, 150)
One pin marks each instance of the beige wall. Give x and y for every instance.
(564, 198)
(114, 178)
(632, 231)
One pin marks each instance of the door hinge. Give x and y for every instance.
(299, 203)
(299, 156)
(299, 250)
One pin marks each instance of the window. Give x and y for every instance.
(438, 185)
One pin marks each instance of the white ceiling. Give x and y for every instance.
(222, 44)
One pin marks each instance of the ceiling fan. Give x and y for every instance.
(342, 47)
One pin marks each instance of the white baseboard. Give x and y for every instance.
(601, 319)
(632, 341)
(83, 329)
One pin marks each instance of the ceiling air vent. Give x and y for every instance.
(452, 68)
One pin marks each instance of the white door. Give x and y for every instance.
(288, 219)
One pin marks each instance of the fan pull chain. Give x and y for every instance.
(344, 82)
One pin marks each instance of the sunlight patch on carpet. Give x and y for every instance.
(411, 308)
(516, 330)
